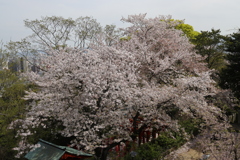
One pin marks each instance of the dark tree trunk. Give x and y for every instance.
(102, 153)
(135, 127)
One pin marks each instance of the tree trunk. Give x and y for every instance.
(102, 153)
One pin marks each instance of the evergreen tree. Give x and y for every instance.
(230, 76)
(210, 44)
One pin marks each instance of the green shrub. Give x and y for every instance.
(191, 126)
(159, 147)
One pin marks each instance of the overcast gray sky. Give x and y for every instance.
(201, 14)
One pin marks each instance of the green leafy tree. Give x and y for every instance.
(188, 30)
(21, 48)
(158, 148)
(210, 44)
(58, 32)
(230, 76)
(112, 34)
(86, 31)
(23, 54)
(50, 32)
(12, 107)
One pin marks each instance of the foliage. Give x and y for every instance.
(159, 147)
(210, 44)
(86, 31)
(168, 141)
(21, 48)
(49, 131)
(50, 31)
(112, 34)
(230, 76)
(146, 151)
(188, 30)
(12, 107)
(58, 32)
(227, 102)
(191, 126)
(95, 93)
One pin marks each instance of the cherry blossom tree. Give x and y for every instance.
(166, 59)
(219, 142)
(95, 92)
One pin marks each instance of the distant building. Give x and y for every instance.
(20, 64)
